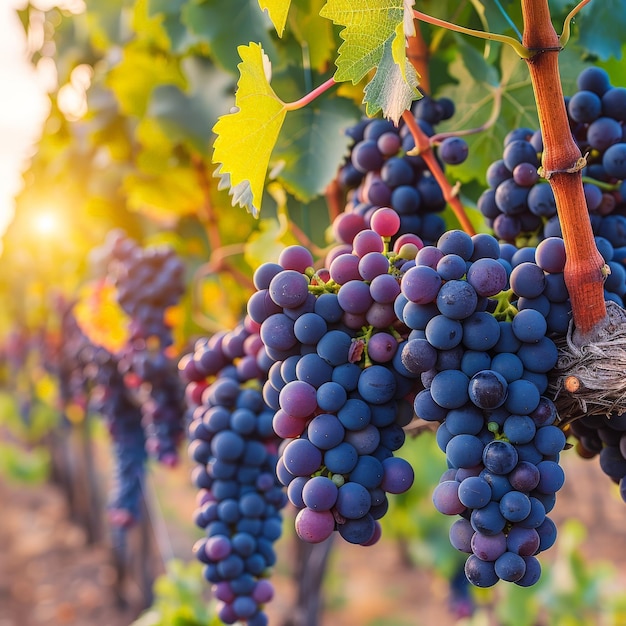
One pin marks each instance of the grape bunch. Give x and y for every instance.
(89, 377)
(73, 355)
(124, 419)
(148, 282)
(381, 173)
(235, 449)
(484, 364)
(337, 384)
(520, 203)
(604, 437)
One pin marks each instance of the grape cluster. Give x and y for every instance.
(483, 363)
(337, 384)
(603, 436)
(124, 420)
(381, 173)
(235, 448)
(89, 377)
(538, 283)
(148, 282)
(519, 202)
(73, 355)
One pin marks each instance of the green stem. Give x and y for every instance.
(521, 50)
(493, 118)
(505, 311)
(564, 38)
(602, 185)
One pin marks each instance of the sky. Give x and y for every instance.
(23, 108)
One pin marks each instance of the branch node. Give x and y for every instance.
(580, 164)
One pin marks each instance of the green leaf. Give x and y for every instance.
(370, 30)
(246, 138)
(164, 197)
(313, 145)
(314, 35)
(167, 7)
(602, 27)
(392, 90)
(368, 27)
(616, 69)
(475, 95)
(225, 24)
(106, 24)
(189, 116)
(277, 11)
(181, 39)
(139, 72)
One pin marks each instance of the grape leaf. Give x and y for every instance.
(139, 72)
(315, 36)
(181, 38)
(368, 26)
(100, 316)
(370, 29)
(314, 144)
(188, 116)
(394, 85)
(277, 11)
(475, 95)
(616, 69)
(225, 24)
(475, 98)
(602, 27)
(246, 137)
(166, 196)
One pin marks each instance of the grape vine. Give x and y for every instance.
(373, 288)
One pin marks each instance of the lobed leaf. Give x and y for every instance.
(224, 24)
(246, 137)
(314, 144)
(602, 27)
(277, 11)
(394, 85)
(370, 31)
(315, 36)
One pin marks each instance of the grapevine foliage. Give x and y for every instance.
(357, 312)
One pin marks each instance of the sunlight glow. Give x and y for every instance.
(46, 224)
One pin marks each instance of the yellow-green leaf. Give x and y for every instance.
(314, 35)
(368, 27)
(374, 39)
(166, 196)
(100, 316)
(247, 136)
(394, 86)
(277, 10)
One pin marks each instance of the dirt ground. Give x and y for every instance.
(50, 575)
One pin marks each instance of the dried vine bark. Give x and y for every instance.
(562, 164)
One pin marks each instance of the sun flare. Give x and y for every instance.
(46, 224)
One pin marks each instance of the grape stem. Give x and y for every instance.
(318, 91)
(564, 38)
(521, 50)
(562, 162)
(493, 118)
(450, 193)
